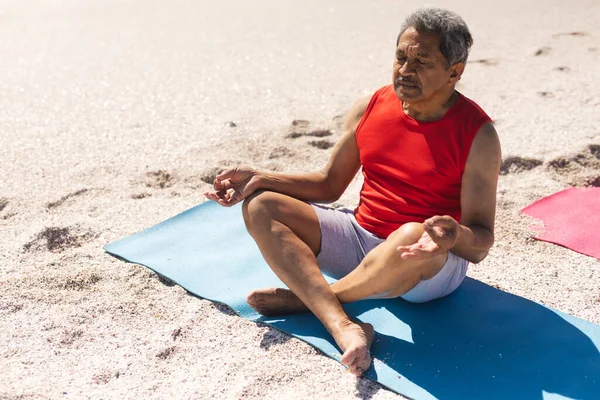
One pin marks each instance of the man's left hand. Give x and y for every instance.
(441, 234)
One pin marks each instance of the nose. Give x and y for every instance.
(406, 69)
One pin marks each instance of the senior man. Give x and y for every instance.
(430, 158)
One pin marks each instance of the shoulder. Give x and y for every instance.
(359, 107)
(357, 111)
(472, 106)
(485, 151)
(473, 113)
(363, 104)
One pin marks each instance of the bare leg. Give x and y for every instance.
(382, 274)
(287, 232)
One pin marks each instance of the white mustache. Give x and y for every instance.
(405, 81)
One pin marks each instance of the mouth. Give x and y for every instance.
(407, 85)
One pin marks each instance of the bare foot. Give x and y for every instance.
(354, 339)
(275, 301)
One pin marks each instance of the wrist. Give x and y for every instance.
(260, 178)
(459, 235)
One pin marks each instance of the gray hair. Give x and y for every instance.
(455, 38)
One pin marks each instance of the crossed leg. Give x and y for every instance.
(288, 235)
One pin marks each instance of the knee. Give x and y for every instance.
(259, 208)
(408, 233)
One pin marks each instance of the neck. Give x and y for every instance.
(431, 110)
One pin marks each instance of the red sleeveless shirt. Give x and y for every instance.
(412, 169)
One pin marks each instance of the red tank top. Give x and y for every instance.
(412, 169)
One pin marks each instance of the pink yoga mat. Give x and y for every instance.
(571, 219)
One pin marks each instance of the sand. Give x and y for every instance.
(114, 115)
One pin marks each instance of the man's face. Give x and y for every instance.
(419, 71)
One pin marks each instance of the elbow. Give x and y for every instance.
(332, 197)
(479, 253)
(330, 191)
(477, 258)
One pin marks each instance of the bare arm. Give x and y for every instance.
(472, 238)
(478, 196)
(326, 185)
(329, 183)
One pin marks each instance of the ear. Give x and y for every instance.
(456, 72)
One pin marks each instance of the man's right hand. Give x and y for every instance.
(233, 185)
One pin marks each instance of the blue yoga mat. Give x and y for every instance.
(477, 343)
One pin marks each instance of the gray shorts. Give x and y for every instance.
(344, 243)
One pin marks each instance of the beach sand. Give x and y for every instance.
(115, 115)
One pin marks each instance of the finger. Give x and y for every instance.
(228, 194)
(438, 220)
(409, 252)
(406, 248)
(414, 255)
(236, 197)
(232, 198)
(215, 198)
(224, 203)
(223, 184)
(210, 196)
(217, 184)
(434, 231)
(226, 174)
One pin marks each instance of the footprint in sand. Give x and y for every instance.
(301, 129)
(10, 308)
(559, 164)
(580, 169)
(517, 164)
(59, 202)
(140, 196)
(103, 377)
(159, 179)
(317, 133)
(594, 150)
(209, 175)
(166, 353)
(593, 181)
(505, 204)
(281, 151)
(576, 33)
(69, 337)
(542, 51)
(57, 239)
(485, 61)
(3, 204)
(78, 282)
(546, 95)
(584, 160)
(322, 144)
(300, 123)
(562, 69)
(176, 333)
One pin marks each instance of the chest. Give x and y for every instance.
(390, 145)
